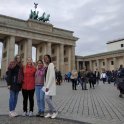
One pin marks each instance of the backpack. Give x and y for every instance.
(121, 73)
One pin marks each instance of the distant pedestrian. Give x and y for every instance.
(59, 78)
(74, 77)
(65, 78)
(97, 74)
(84, 79)
(103, 77)
(120, 81)
(69, 76)
(92, 79)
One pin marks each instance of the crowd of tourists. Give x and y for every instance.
(84, 77)
(39, 79)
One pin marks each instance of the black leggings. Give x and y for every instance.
(28, 94)
(74, 84)
(91, 82)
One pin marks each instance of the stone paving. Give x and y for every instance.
(34, 120)
(98, 106)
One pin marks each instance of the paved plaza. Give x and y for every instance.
(97, 106)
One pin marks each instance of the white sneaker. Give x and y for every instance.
(15, 113)
(25, 114)
(30, 114)
(12, 114)
(54, 115)
(48, 115)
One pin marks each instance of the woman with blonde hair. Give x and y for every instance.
(28, 87)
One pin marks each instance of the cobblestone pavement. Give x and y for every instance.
(98, 106)
(34, 120)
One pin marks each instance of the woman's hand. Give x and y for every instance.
(47, 89)
(9, 86)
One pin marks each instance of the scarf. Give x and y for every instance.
(12, 65)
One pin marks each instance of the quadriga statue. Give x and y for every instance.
(47, 18)
(34, 15)
(42, 17)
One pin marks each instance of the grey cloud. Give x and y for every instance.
(94, 21)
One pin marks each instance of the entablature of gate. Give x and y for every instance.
(35, 30)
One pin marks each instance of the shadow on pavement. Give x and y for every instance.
(4, 119)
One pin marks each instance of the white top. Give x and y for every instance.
(103, 75)
(50, 82)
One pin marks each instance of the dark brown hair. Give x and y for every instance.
(40, 61)
(48, 57)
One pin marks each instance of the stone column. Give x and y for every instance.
(29, 48)
(91, 66)
(8, 53)
(69, 59)
(57, 57)
(61, 55)
(37, 52)
(115, 63)
(77, 63)
(106, 64)
(73, 57)
(98, 66)
(49, 48)
(41, 51)
(26, 50)
(122, 61)
(84, 65)
(11, 48)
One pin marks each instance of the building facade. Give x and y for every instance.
(115, 45)
(46, 38)
(110, 60)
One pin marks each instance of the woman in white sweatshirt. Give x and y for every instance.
(50, 86)
(103, 76)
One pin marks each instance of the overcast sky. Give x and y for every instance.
(94, 22)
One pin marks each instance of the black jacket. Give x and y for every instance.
(12, 79)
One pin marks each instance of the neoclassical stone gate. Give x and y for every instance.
(46, 38)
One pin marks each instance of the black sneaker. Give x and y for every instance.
(121, 96)
(42, 114)
(38, 114)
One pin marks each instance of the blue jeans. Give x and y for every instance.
(40, 95)
(13, 100)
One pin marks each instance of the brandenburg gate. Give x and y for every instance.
(47, 39)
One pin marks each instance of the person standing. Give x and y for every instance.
(14, 81)
(97, 74)
(103, 77)
(120, 81)
(39, 83)
(84, 79)
(74, 77)
(58, 78)
(69, 76)
(50, 87)
(92, 79)
(28, 87)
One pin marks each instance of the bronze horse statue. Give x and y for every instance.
(42, 17)
(47, 18)
(34, 15)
